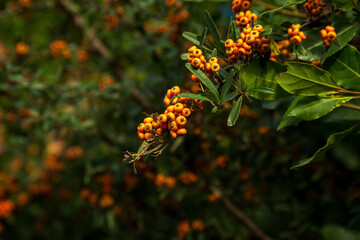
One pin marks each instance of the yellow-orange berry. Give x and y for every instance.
(229, 43)
(196, 62)
(175, 90)
(148, 127)
(181, 120)
(323, 33)
(171, 116)
(178, 107)
(213, 60)
(215, 67)
(181, 131)
(329, 29)
(295, 40)
(163, 118)
(140, 128)
(331, 36)
(148, 120)
(197, 53)
(192, 49)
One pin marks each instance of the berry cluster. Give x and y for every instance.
(59, 47)
(285, 52)
(248, 42)
(328, 34)
(106, 81)
(245, 18)
(296, 36)
(237, 5)
(198, 60)
(173, 119)
(314, 7)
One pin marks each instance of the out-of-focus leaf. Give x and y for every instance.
(345, 5)
(226, 87)
(194, 96)
(290, 120)
(332, 140)
(288, 4)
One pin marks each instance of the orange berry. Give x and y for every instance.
(246, 5)
(295, 40)
(173, 126)
(229, 43)
(247, 30)
(171, 116)
(178, 107)
(181, 120)
(265, 48)
(196, 62)
(329, 29)
(181, 131)
(202, 59)
(327, 42)
(253, 17)
(192, 49)
(155, 124)
(186, 112)
(229, 51)
(331, 36)
(148, 136)
(246, 46)
(190, 57)
(197, 53)
(213, 60)
(141, 135)
(175, 90)
(140, 128)
(170, 108)
(249, 39)
(148, 127)
(215, 67)
(265, 39)
(302, 35)
(159, 131)
(323, 33)
(173, 134)
(244, 21)
(163, 118)
(208, 66)
(239, 43)
(148, 120)
(194, 78)
(293, 31)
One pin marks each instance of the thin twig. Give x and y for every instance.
(283, 11)
(312, 21)
(249, 223)
(351, 106)
(102, 49)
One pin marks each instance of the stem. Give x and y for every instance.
(348, 91)
(248, 222)
(351, 106)
(283, 11)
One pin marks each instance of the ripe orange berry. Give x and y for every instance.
(186, 112)
(215, 67)
(208, 66)
(329, 29)
(246, 5)
(296, 26)
(148, 127)
(197, 53)
(229, 51)
(190, 57)
(293, 31)
(242, 36)
(327, 42)
(173, 126)
(181, 120)
(175, 100)
(323, 33)
(257, 43)
(166, 101)
(213, 60)
(259, 28)
(173, 134)
(148, 136)
(331, 36)
(140, 128)
(247, 30)
(253, 17)
(229, 43)
(302, 35)
(194, 78)
(196, 62)
(171, 116)
(239, 43)
(178, 107)
(192, 49)
(141, 135)
(170, 108)
(246, 46)
(265, 47)
(244, 21)
(148, 120)
(181, 131)
(249, 39)
(295, 40)
(163, 118)
(155, 124)
(175, 90)
(265, 39)
(159, 131)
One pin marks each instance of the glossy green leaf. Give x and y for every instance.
(254, 76)
(191, 37)
(266, 31)
(234, 114)
(203, 36)
(213, 31)
(205, 80)
(226, 87)
(344, 5)
(274, 47)
(194, 96)
(345, 33)
(184, 56)
(290, 120)
(344, 66)
(317, 108)
(288, 4)
(230, 96)
(233, 28)
(331, 142)
(307, 80)
(261, 90)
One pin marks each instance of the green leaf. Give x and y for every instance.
(203, 36)
(345, 33)
(205, 80)
(344, 5)
(256, 76)
(233, 28)
(191, 37)
(194, 96)
(261, 90)
(226, 87)
(274, 47)
(344, 66)
(316, 108)
(234, 114)
(267, 31)
(331, 142)
(290, 120)
(307, 80)
(184, 56)
(213, 31)
(230, 97)
(288, 4)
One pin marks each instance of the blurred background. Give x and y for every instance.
(75, 80)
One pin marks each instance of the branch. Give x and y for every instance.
(240, 214)
(283, 11)
(351, 106)
(103, 50)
